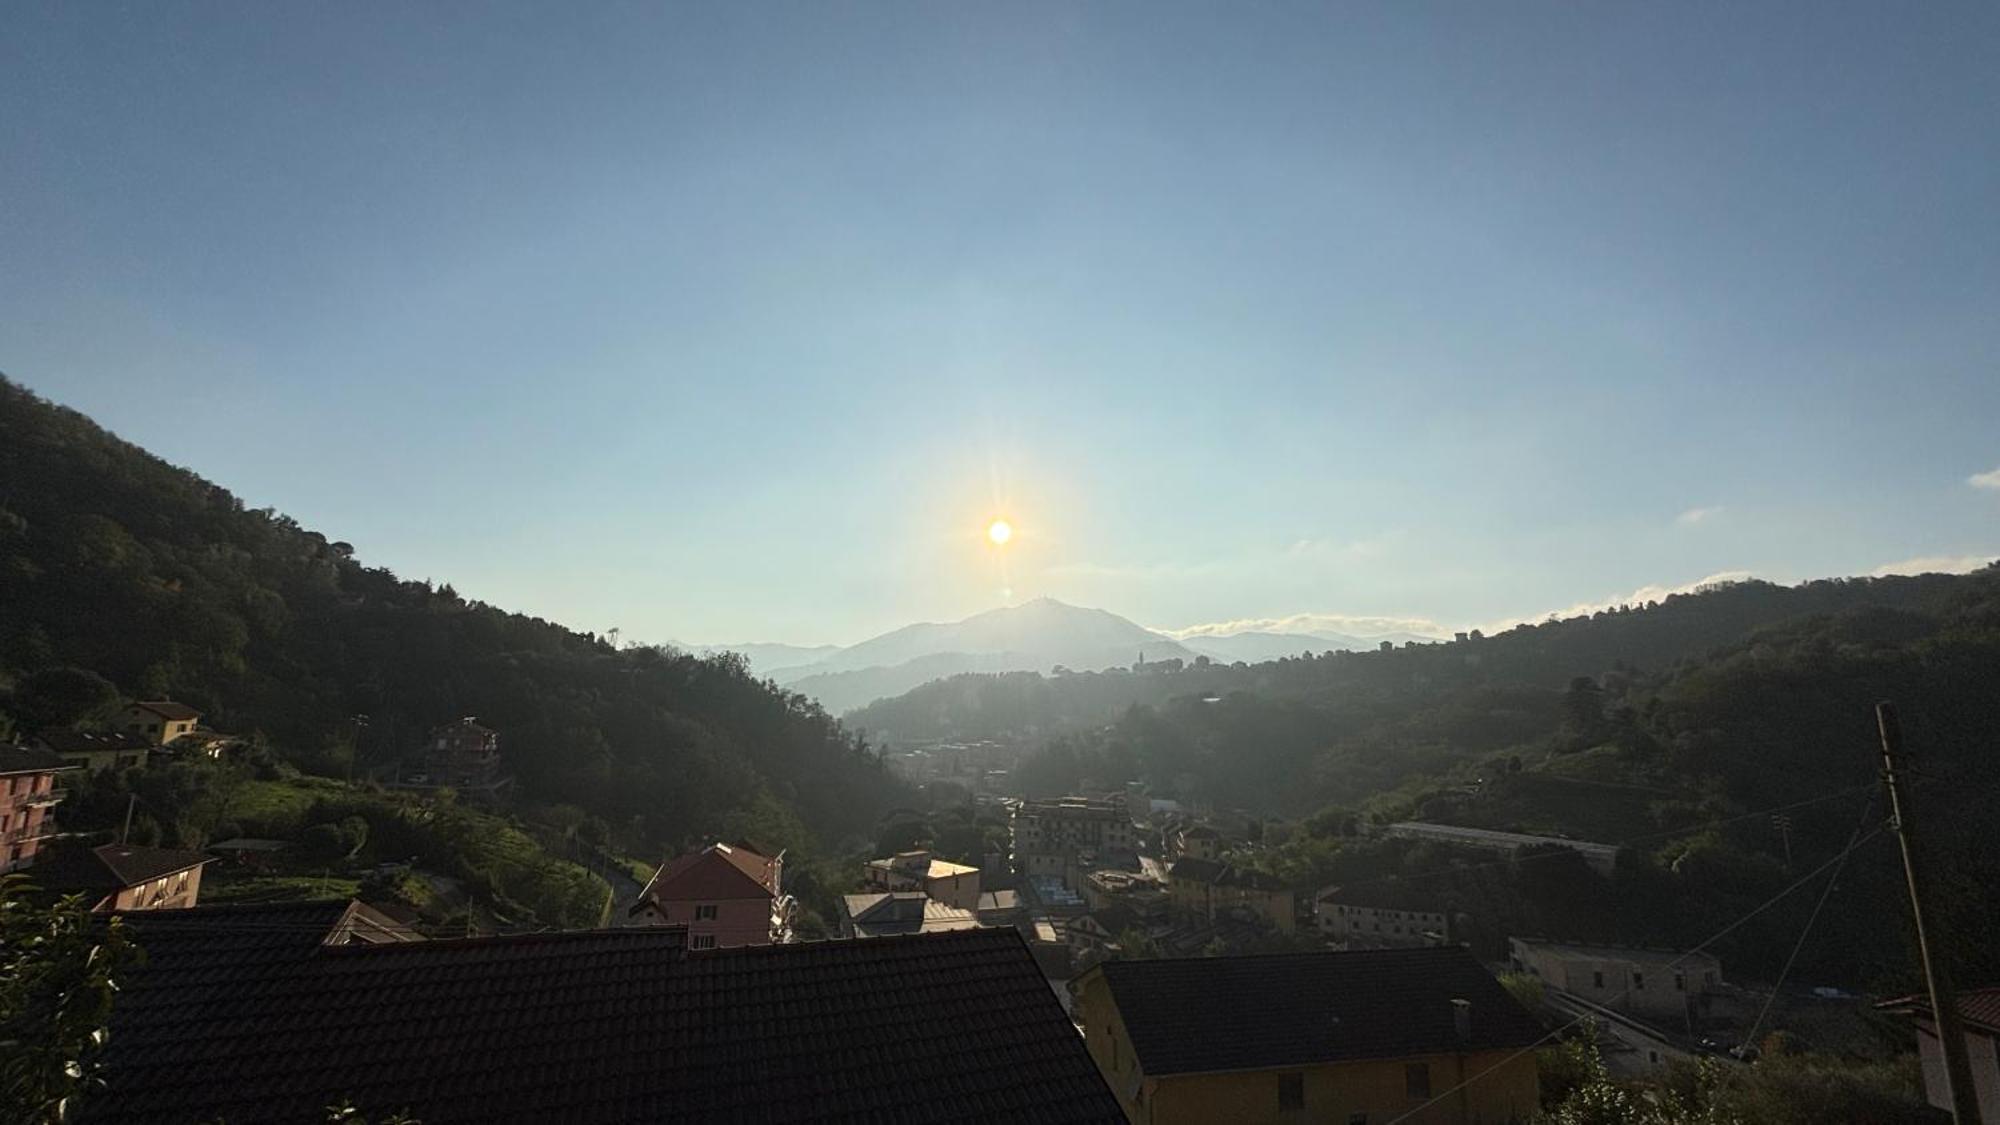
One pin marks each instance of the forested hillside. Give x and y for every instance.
(1679, 728)
(118, 564)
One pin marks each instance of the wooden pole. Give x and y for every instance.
(1937, 975)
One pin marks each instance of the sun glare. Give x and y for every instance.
(999, 531)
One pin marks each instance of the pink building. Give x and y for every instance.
(27, 793)
(725, 894)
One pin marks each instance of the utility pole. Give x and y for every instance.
(1783, 823)
(1937, 975)
(131, 802)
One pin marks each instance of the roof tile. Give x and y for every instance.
(249, 1017)
(1239, 1013)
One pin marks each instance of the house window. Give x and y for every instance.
(704, 941)
(1639, 981)
(1597, 979)
(1357, 1119)
(1417, 1080)
(705, 912)
(1291, 1091)
(1680, 982)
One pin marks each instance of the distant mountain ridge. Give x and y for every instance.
(765, 657)
(1034, 636)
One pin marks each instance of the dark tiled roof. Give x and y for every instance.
(110, 867)
(253, 1019)
(1114, 919)
(131, 864)
(168, 709)
(1221, 874)
(1197, 869)
(21, 759)
(1246, 1013)
(79, 741)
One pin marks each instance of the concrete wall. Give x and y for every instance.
(1642, 986)
(1506, 1090)
(1980, 1049)
(961, 890)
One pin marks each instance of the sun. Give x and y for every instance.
(999, 531)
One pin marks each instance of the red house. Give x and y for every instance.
(725, 894)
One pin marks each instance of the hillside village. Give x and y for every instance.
(501, 870)
(1171, 980)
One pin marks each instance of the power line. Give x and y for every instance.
(1778, 986)
(1839, 858)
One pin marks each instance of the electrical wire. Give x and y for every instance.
(1815, 873)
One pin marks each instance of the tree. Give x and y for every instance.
(60, 697)
(59, 967)
(1134, 945)
(1583, 707)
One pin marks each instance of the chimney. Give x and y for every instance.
(1461, 1018)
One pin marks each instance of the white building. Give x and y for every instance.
(1601, 857)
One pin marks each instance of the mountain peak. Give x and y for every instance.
(1032, 636)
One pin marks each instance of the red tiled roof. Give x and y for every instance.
(246, 1018)
(719, 871)
(1979, 1006)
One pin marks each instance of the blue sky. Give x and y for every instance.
(738, 322)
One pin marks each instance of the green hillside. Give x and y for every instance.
(118, 564)
(1679, 728)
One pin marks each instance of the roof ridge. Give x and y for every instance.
(218, 908)
(1403, 951)
(994, 934)
(638, 935)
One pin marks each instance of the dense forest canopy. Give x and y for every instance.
(117, 566)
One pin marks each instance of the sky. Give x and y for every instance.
(722, 323)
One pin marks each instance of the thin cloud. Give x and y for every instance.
(1349, 624)
(1933, 564)
(1640, 596)
(1989, 479)
(1695, 515)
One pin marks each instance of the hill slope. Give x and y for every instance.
(114, 561)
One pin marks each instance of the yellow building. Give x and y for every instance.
(1206, 888)
(160, 720)
(1421, 1036)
